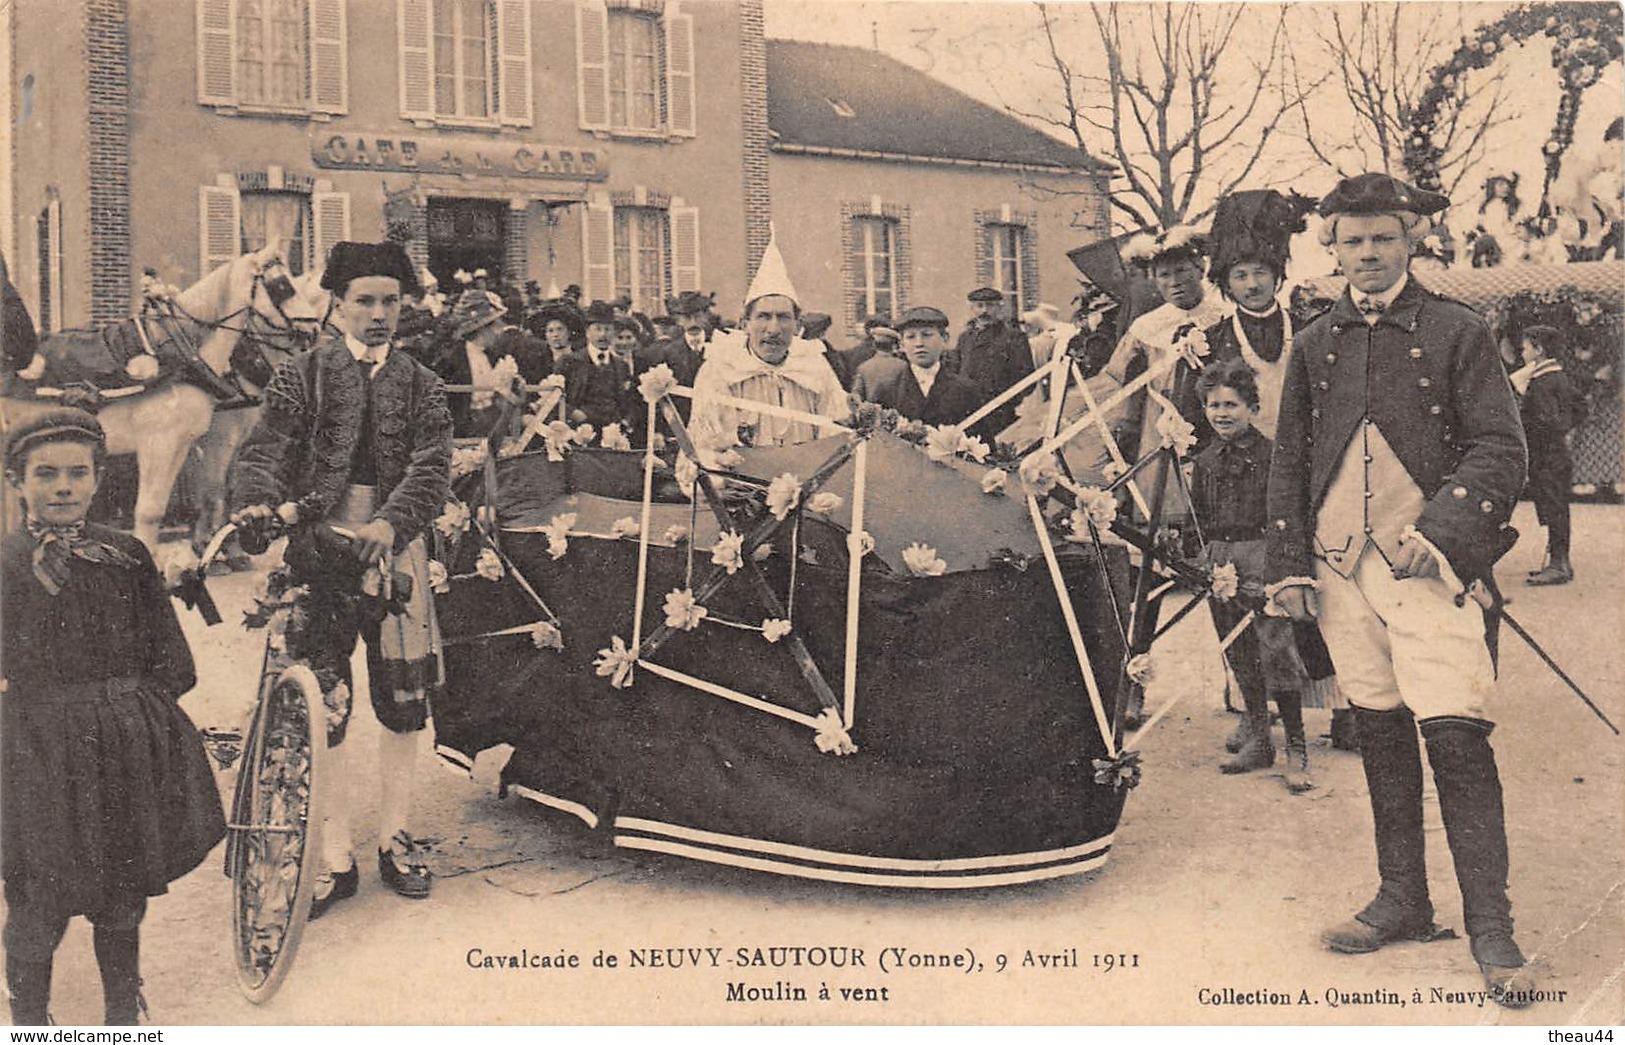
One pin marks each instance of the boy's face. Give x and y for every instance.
(599, 335)
(1531, 352)
(1252, 285)
(58, 481)
(924, 345)
(370, 309)
(1228, 413)
(694, 334)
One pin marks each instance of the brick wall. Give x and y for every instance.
(516, 247)
(107, 50)
(753, 121)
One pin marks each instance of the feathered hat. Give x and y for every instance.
(1148, 248)
(1256, 224)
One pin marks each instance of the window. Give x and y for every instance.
(273, 55)
(641, 256)
(1004, 249)
(874, 264)
(462, 59)
(634, 70)
(465, 61)
(281, 216)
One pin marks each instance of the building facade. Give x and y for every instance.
(629, 146)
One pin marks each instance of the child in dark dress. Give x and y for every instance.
(1551, 407)
(108, 796)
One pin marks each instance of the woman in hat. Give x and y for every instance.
(108, 794)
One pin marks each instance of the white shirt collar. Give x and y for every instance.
(360, 350)
(925, 377)
(1386, 298)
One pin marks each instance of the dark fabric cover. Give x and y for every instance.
(975, 730)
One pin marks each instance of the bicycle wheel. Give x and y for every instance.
(274, 848)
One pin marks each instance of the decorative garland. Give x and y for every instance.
(1585, 38)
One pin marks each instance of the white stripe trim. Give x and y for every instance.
(891, 863)
(729, 694)
(450, 755)
(564, 805)
(982, 881)
(854, 580)
(1064, 597)
(772, 410)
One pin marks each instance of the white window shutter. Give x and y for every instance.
(220, 227)
(598, 252)
(592, 65)
(329, 57)
(330, 223)
(415, 31)
(680, 114)
(685, 249)
(513, 62)
(216, 52)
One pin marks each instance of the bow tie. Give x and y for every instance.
(58, 544)
(1370, 306)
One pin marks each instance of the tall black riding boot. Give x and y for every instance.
(29, 984)
(1392, 756)
(1475, 826)
(118, 955)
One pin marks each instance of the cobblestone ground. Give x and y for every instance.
(1214, 883)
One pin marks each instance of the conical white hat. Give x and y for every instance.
(771, 275)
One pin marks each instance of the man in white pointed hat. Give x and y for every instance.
(765, 363)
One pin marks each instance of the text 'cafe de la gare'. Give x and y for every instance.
(498, 159)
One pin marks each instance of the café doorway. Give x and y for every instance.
(466, 234)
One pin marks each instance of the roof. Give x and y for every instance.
(826, 96)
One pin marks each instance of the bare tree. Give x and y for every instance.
(1382, 56)
(1191, 96)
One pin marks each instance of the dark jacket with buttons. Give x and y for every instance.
(1428, 375)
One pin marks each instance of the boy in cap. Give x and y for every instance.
(924, 389)
(1551, 407)
(358, 435)
(1398, 461)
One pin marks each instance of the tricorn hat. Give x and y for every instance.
(1256, 224)
(1375, 193)
(349, 260)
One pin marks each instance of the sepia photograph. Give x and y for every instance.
(812, 513)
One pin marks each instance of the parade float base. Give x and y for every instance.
(976, 736)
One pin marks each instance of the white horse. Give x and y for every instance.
(160, 425)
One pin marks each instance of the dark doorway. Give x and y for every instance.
(468, 235)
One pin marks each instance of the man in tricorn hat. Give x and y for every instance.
(1398, 461)
(991, 354)
(357, 434)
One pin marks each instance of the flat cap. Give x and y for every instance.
(984, 294)
(1375, 193)
(924, 316)
(61, 423)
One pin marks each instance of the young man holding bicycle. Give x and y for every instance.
(358, 436)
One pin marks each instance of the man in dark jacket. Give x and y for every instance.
(925, 390)
(991, 354)
(1398, 460)
(598, 382)
(357, 434)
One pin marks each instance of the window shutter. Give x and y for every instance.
(216, 52)
(330, 223)
(220, 227)
(513, 62)
(598, 252)
(680, 116)
(416, 35)
(592, 65)
(685, 249)
(329, 57)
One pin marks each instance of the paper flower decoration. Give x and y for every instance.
(553, 382)
(1176, 432)
(1039, 475)
(656, 382)
(1113, 471)
(625, 526)
(511, 447)
(453, 519)
(922, 560)
(774, 629)
(832, 738)
(728, 552)
(557, 531)
(825, 502)
(463, 276)
(1140, 668)
(973, 448)
(466, 460)
(557, 436)
(439, 580)
(1226, 581)
(675, 534)
(942, 442)
(546, 635)
(730, 459)
(615, 663)
(1099, 505)
(860, 544)
(688, 472)
(994, 480)
(612, 438)
(583, 433)
(762, 552)
(489, 565)
(1193, 348)
(783, 494)
(1120, 772)
(682, 612)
